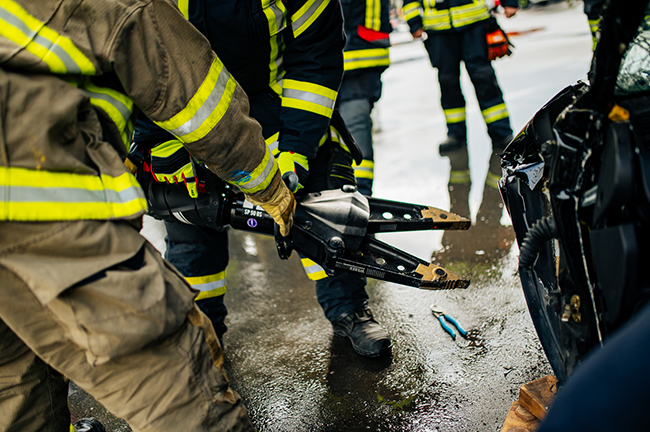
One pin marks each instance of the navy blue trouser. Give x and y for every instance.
(346, 293)
(359, 91)
(201, 255)
(468, 45)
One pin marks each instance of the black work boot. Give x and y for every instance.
(368, 338)
(451, 144)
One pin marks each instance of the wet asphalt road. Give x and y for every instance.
(281, 355)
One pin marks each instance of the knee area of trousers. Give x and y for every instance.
(448, 78)
(485, 83)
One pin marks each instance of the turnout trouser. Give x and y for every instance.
(94, 302)
(468, 45)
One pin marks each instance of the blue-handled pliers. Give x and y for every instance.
(442, 317)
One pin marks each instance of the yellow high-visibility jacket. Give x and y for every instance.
(445, 15)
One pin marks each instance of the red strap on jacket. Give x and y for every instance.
(370, 35)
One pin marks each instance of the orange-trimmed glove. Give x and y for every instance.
(171, 163)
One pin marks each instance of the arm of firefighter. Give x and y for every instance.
(313, 64)
(509, 7)
(170, 71)
(412, 10)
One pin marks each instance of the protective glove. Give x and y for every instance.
(497, 40)
(294, 168)
(279, 203)
(171, 163)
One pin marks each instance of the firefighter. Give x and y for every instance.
(367, 26)
(366, 57)
(291, 74)
(83, 294)
(456, 33)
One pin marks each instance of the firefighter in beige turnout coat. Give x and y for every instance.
(82, 294)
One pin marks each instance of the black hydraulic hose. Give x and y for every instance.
(542, 231)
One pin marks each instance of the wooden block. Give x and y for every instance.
(519, 419)
(537, 396)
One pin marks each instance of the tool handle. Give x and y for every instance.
(447, 328)
(458, 327)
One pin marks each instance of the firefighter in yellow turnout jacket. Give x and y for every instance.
(291, 73)
(83, 294)
(456, 33)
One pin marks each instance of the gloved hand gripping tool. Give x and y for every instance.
(334, 228)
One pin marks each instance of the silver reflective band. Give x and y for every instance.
(207, 108)
(25, 194)
(297, 23)
(70, 65)
(119, 106)
(261, 178)
(309, 97)
(210, 285)
(279, 17)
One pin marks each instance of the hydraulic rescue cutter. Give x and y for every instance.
(334, 228)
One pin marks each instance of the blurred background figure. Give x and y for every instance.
(456, 32)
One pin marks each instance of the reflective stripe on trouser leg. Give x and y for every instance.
(357, 116)
(201, 255)
(445, 53)
(455, 120)
(497, 121)
(486, 86)
(313, 270)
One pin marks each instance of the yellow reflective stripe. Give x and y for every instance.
(365, 169)
(365, 58)
(313, 270)
(71, 428)
(306, 15)
(166, 148)
(469, 14)
(118, 106)
(273, 142)
(459, 16)
(459, 177)
(57, 51)
(436, 20)
(373, 15)
(308, 96)
(495, 113)
(455, 115)
(411, 11)
(275, 12)
(206, 108)
(36, 195)
(594, 24)
(213, 285)
(261, 176)
(184, 7)
(492, 180)
(334, 136)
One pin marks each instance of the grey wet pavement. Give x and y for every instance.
(281, 355)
